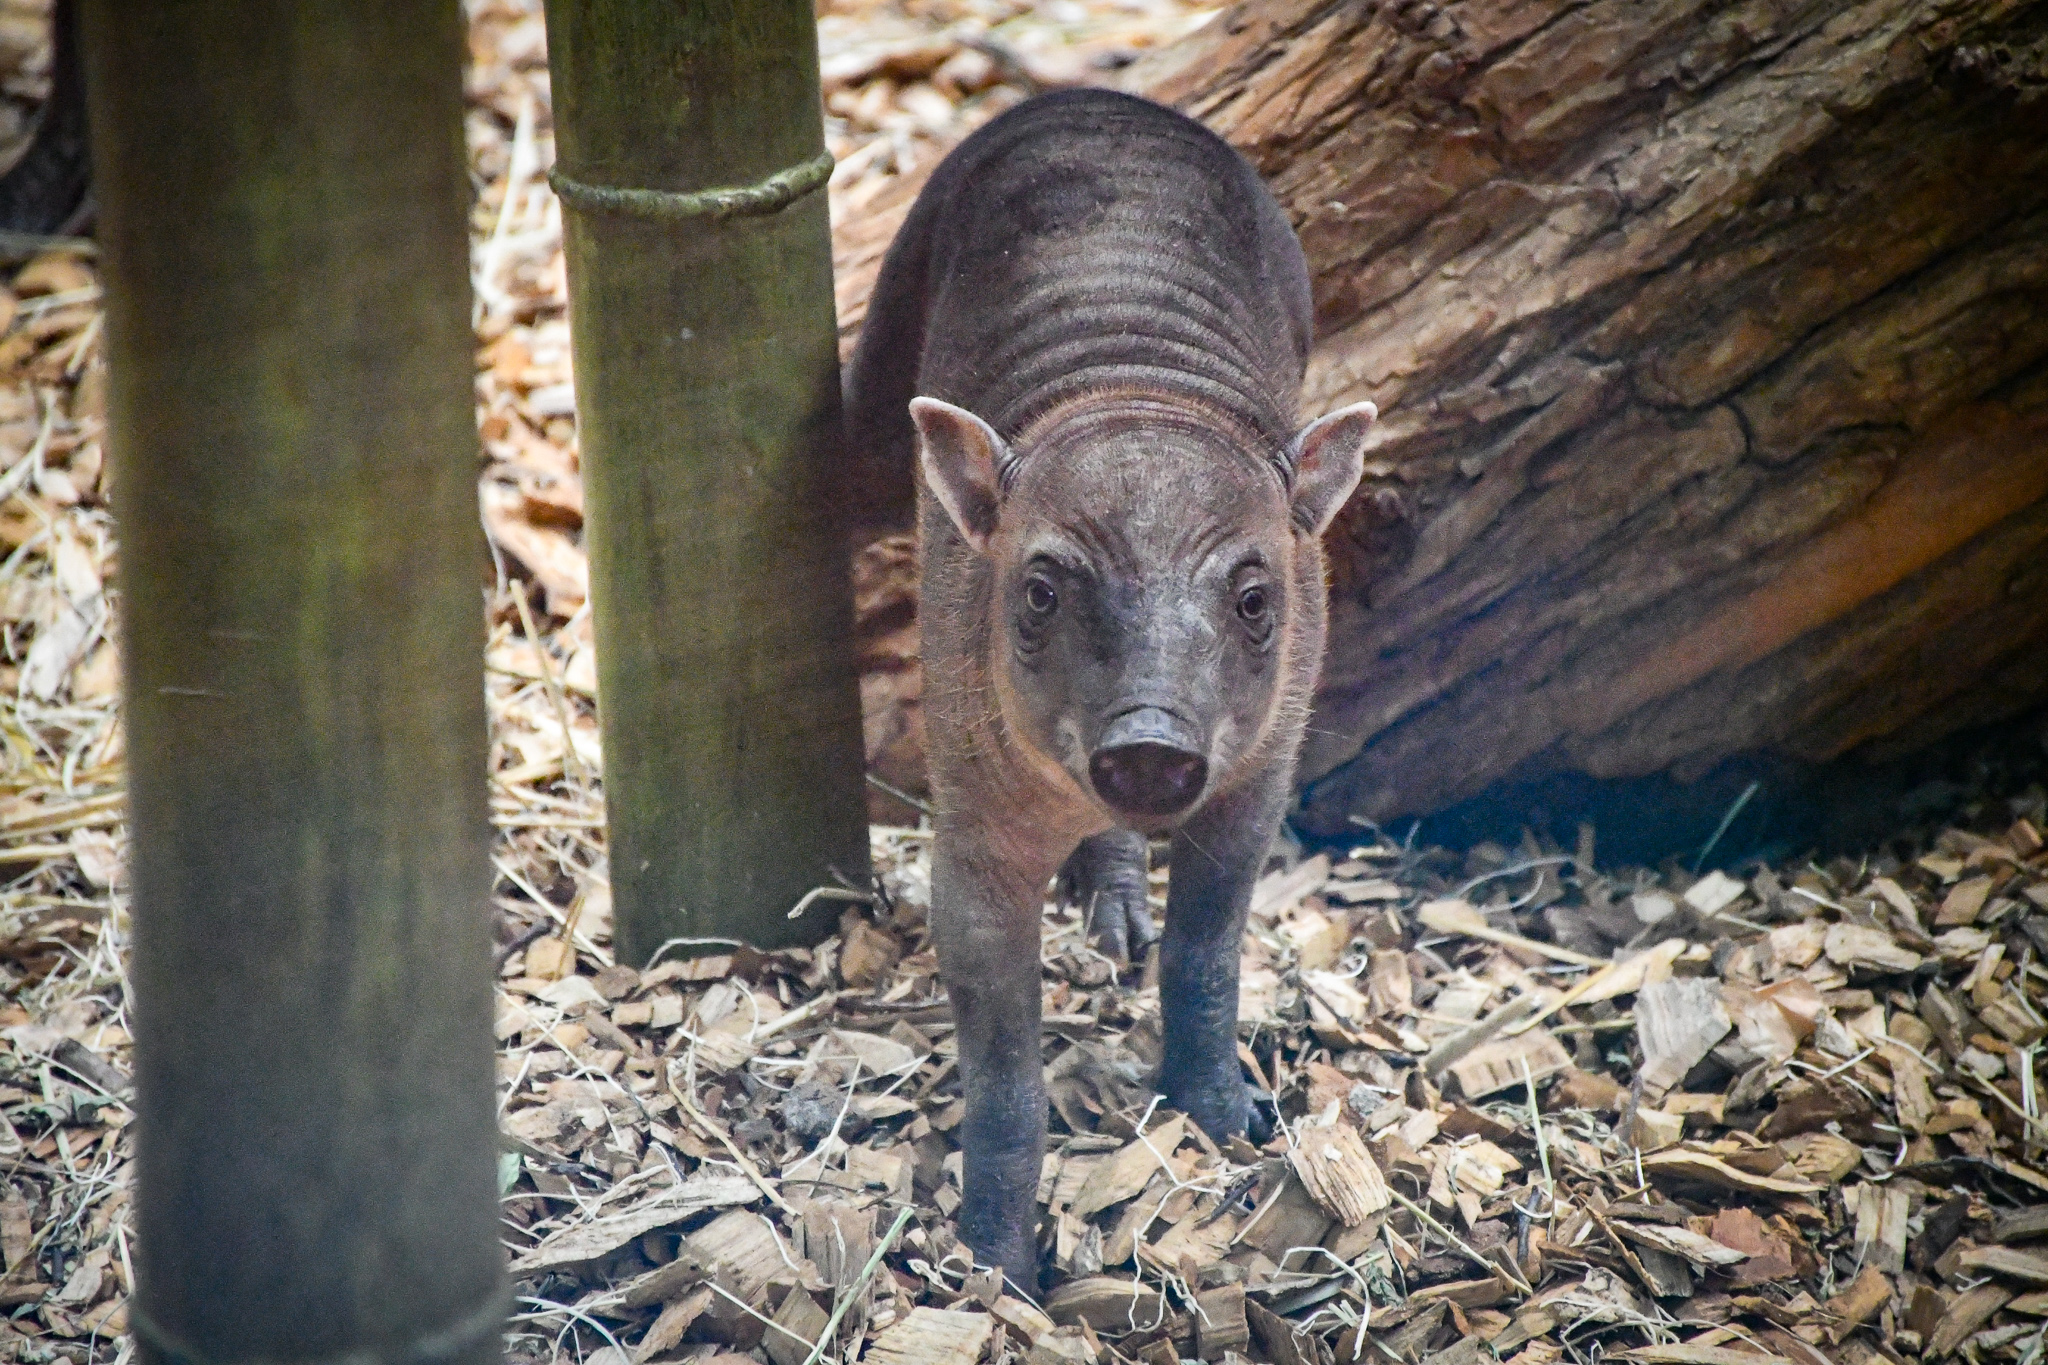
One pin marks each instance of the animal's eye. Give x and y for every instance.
(1040, 597)
(1252, 605)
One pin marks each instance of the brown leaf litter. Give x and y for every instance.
(1792, 1117)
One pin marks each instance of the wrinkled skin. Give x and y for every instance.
(1103, 319)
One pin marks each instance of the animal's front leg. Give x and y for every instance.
(985, 923)
(1216, 858)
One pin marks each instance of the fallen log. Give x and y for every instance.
(1712, 348)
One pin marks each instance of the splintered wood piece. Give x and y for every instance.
(606, 1234)
(1107, 1303)
(1699, 1168)
(2009, 1016)
(1466, 1293)
(1220, 1324)
(1663, 1274)
(1277, 1335)
(1654, 1130)
(1860, 947)
(1682, 1353)
(2022, 1225)
(1588, 1090)
(1964, 1316)
(1197, 1239)
(1822, 1157)
(1389, 986)
(1339, 1173)
(1769, 1256)
(1024, 1320)
(667, 1329)
(801, 1321)
(2028, 1267)
(1700, 1250)
(932, 1336)
(1763, 1031)
(1859, 1302)
(1495, 1066)
(1122, 1176)
(666, 1283)
(1278, 890)
(836, 1238)
(1946, 1020)
(1880, 1212)
(742, 1246)
(1678, 1022)
(1964, 902)
(1462, 917)
(1317, 939)
(1072, 1345)
(1288, 1217)
(1714, 893)
(1462, 1042)
(1912, 1095)
(17, 1232)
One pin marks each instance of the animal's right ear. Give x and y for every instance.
(961, 455)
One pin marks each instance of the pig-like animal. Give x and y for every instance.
(1090, 335)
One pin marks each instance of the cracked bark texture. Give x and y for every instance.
(1711, 344)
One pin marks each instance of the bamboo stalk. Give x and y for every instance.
(708, 392)
(283, 197)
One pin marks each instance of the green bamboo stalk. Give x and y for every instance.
(707, 387)
(283, 194)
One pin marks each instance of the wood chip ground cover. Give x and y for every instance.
(1791, 1115)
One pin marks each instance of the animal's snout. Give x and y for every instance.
(1147, 764)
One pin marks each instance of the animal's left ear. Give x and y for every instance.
(1328, 458)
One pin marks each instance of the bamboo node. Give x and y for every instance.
(771, 195)
(484, 1322)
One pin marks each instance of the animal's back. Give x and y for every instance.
(1085, 240)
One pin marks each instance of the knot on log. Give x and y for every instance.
(764, 197)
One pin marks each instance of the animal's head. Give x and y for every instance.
(1155, 584)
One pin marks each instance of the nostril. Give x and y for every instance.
(1148, 778)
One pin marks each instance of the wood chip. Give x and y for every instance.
(1859, 1302)
(1220, 1325)
(607, 1233)
(1698, 1167)
(1969, 1312)
(668, 1327)
(1680, 1353)
(801, 1321)
(1493, 1067)
(1694, 1247)
(1861, 947)
(2028, 1267)
(2022, 1225)
(1461, 917)
(1339, 1173)
(1678, 1022)
(1125, 1174)
(1107, 1303)
(932, 1336)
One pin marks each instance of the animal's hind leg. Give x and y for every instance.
(1106, 878)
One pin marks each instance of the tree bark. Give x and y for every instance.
(709, 397)
(1712, 348)
(294, 444)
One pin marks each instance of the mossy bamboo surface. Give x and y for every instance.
(283, 197)
(708, 401)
